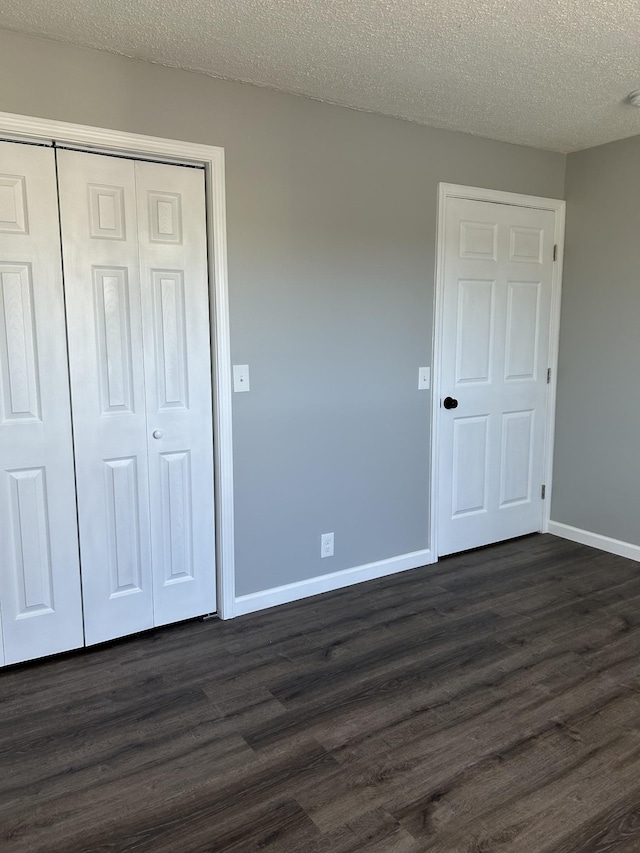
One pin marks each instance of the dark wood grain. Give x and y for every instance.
(488, 703)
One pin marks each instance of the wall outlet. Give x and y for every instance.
(326, 545)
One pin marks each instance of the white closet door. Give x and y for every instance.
(39, 572)
(100, 250)
(173, 275)
(134, 246)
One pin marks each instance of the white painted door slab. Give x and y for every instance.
(134, 244)
(39, 571)
(104, 319)
(176, 331)
(498, 272)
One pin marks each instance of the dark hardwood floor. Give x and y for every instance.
(488, 703)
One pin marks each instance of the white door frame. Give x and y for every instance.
(445, 192)
(20, 128)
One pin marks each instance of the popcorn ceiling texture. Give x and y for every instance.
(547, 73)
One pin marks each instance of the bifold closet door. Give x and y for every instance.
(177, 360)
(134, 251)
(40, 603)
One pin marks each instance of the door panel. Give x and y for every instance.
(474, 331)
(469, 465)
(516, 458)
(39, 573)
(114, 345)
(104, 317)
(523, 330)
(30, 541)
(20, 370)
(173, 271)
(496, 318)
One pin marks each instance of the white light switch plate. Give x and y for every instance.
(241, 377)
(424, 378)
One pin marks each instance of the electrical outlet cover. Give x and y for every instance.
(326, 545)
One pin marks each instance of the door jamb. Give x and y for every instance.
(19, 128)
(445, 192)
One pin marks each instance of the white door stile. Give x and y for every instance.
(177, 359)
(39, 571)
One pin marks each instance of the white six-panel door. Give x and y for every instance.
(495, 354)
(39, 572)
(137, 311)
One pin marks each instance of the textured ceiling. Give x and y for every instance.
(547, 73)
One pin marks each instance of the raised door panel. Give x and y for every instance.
(31, 542)
(20, 379)
(478, 240)
(13, 197)
(176, 556)
(474, 331)
(516, 458)
(171, 340)
(39, 574)
(526, 244)
(122, 488)
(113, 339)
(174, 284)
(100, 247)
(470, 474)
(523, 330)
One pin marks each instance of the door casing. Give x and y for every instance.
(445, 192)
(19, 128)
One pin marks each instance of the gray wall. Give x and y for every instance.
(331, 228)
(597, 451)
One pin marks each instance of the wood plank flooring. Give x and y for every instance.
(488, 703)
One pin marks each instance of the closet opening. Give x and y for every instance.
(111, 394)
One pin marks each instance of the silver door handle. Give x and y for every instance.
(157, 433)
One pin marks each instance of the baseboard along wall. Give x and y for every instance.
(326, 583)
(266, 598)
(595, 540)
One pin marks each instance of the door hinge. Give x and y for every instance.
(548, 375)
(543, 492)
(555, 252)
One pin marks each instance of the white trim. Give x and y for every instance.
(499, 197)
(554, 343)
(445, 192)
(595, 540)
(326, 583)
(46, 132)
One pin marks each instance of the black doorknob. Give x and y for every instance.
(450, 403)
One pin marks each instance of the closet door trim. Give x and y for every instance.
(102, 140)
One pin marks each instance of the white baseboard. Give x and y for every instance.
(325, 583)
(595, 540)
